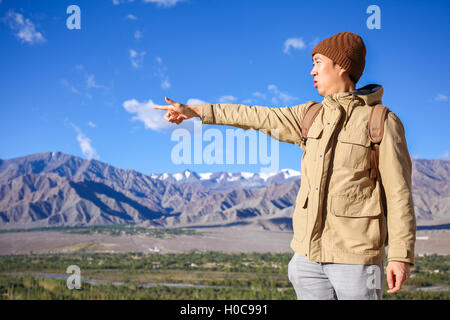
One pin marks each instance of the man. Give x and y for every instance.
(343, 219)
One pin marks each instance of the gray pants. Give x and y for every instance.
(331, 281)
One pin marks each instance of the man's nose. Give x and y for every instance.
(313, 72)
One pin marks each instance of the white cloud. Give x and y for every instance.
(79, 67)
(416, 155)
(274, 94)
(259, 95)
(163, 3)
(137, 58)
(195, 101)
(131, 17)
(85, 144)
(152, 118)
(161, 73)
(138, 35)
(441, 97)
(284, 97)
(315, 42)
(248, 101)
(66, 83)
(117, 2)
(89, 83)
(166, 84)
(227, 99)
(91, 124)
(445, 156)
(296, 43)
(23, 28)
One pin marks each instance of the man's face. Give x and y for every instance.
(326, 75)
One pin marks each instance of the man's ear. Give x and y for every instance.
(342, 71)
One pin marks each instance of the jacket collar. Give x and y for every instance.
(370, 94)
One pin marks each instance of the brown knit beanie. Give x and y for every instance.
(347, 50)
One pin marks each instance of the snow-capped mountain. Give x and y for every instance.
(225, 180)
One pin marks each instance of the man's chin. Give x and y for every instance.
(320, 93)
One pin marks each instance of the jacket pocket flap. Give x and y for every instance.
(354, 137)
(302, 195)
(302, 199)
(315, 130)
(342, 206)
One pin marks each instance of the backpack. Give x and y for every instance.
(376, 131)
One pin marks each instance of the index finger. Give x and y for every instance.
(167, 108)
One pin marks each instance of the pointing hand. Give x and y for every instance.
(178, 112)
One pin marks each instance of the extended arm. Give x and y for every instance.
(286, 120)
(284, 124)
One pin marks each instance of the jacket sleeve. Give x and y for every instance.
(396, 175)
(282, 124)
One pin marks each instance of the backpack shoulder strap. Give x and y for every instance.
(376, 131)
(308, 120)
(376, 123)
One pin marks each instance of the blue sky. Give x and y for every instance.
(87, 92)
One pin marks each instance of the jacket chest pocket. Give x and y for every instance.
(313, 141)
(353, 149)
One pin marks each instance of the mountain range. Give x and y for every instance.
(56, 189)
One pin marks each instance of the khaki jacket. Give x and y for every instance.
(339, 214)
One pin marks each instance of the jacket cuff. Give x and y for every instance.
(207, 113)
(401, 254)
